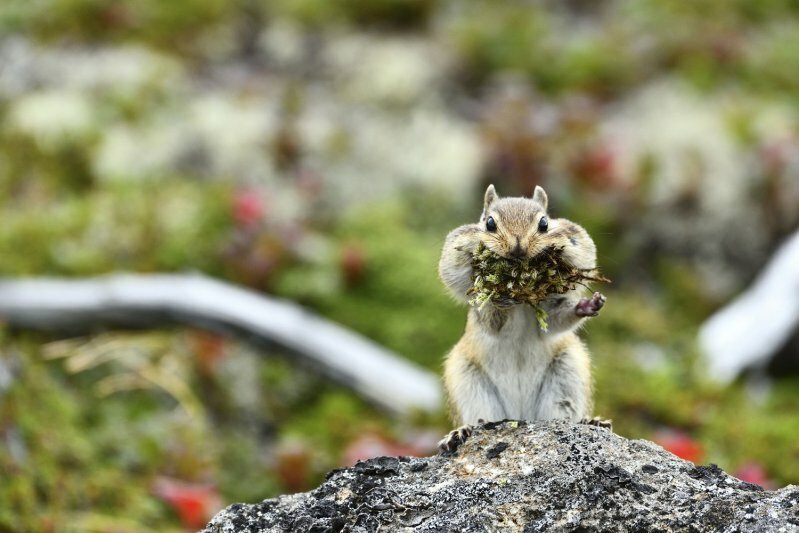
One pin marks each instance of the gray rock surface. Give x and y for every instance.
(519, 476)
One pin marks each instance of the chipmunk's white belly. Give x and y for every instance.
(518, 364)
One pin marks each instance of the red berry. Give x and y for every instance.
(353, 263)
(248, 208)
(681, 445)
(194, 503)
(753, 472)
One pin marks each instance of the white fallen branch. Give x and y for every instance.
(128, 300)
(750, 330)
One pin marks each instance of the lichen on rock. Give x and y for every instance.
(523, 476)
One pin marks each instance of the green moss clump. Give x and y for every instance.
(528, 280)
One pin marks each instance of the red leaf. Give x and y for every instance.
(194, 503)
(597, 166)
(293, 465)
(753, 472)
(248, 207)
(353, 263)
(370, 445)
(208, 348)
(681, 445)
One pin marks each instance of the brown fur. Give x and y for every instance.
(504, 366)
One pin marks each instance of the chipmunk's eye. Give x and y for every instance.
(491, 224)
(543, 224)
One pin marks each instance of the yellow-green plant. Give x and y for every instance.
(528, 280)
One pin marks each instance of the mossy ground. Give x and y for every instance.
(91, 458)
(528, 281)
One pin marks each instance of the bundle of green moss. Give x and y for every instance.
(529, 280)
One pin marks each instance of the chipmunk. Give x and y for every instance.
(505, 365)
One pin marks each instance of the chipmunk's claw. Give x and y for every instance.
(590, 307)
(604, 423)
(454, 438)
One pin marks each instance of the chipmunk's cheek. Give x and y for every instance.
(493, 245)
(567, 232)
(499, 250)
(535, 247)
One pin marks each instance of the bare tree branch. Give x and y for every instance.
(750, 331)
(151, 301)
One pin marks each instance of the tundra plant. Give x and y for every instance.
(529, 280)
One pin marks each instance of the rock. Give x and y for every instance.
(520, 476)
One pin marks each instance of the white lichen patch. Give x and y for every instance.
(54, 119)
(343, 494)
(393, 71)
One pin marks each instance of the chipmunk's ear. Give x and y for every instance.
(490, 197)
(541, 197)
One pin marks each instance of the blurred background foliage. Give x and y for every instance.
(320, 150)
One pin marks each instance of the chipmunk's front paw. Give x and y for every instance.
(590, 307)
(605, 423)
(454, 438)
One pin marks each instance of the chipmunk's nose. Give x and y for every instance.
(517, 250)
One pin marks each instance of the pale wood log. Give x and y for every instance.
(152, 301)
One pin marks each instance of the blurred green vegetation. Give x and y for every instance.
(74, 453)
(399, 281)
(85, 455)
(133, 227)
